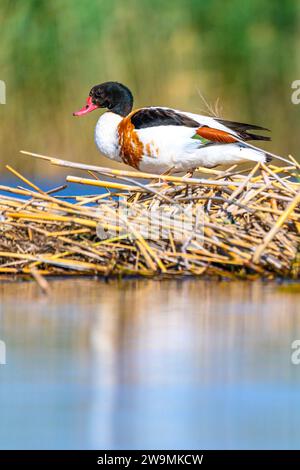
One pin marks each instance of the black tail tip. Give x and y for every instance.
(268, 158)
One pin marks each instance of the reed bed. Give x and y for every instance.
(233, 224)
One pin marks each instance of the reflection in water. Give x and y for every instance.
(148, 364)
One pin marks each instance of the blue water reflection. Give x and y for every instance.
(146, 364)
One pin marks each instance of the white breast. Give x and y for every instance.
(106, 135)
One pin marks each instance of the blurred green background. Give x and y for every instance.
(246, 53)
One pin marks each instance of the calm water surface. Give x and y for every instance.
(148, 364)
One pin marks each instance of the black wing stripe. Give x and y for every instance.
(250, 136)
(242, 130)
(240, 126)
(152, 117)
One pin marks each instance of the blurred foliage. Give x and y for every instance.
(53, 51)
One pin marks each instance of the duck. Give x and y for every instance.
(159, 140)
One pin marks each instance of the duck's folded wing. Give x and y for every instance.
(208, 128)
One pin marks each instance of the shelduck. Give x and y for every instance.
(160, 139)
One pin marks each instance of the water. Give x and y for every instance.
(148, 364)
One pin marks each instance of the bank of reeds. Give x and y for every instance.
(232, 224)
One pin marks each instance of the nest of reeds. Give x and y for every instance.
(232, 224)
